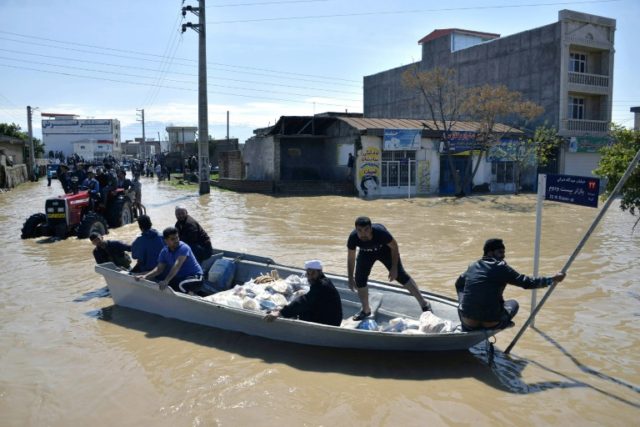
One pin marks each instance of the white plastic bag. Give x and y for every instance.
(431, 324)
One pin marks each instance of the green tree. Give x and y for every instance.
(14, 130)
(614, 162)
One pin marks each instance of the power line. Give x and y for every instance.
(155, 60)
(170, 49)
(158, 84)
(404, 12)
(266, 3)
(171, 87)
(280, 72)
(177, 72)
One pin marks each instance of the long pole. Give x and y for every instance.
(575, 253)
(203, 123)
(32, 156)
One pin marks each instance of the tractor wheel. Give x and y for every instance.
(120, 213)
(34, 226)
(92, 222)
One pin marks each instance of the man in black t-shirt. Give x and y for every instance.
(376, 244)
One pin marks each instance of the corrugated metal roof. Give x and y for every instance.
(364, 124)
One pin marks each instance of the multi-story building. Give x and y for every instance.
(64, 132)
(566, 67)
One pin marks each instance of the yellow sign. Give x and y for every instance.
(56, 215)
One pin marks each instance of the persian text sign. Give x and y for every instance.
(576, 190)
(401, 139)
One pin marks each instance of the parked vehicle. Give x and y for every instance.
(78, 214)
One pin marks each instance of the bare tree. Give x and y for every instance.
(491, 106)
(444, 100)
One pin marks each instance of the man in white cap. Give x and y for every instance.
(320, 305)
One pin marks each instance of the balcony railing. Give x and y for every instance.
(587, 125)
(589, 79)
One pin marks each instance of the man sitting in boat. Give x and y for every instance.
(184, 274)
(376, 244)
(320, 305)
(110, 251)
(147, 247)
(193, 234)
(480, 288)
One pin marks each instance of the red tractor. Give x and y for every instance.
(76, 214)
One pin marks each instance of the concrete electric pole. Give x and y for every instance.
(141, 149)
(32, 155)
(203, 122)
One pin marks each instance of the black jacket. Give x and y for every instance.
(320, 305)
(114, 252)
(192, 233)
(480, 288)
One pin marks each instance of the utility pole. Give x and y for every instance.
(203, 124)
(32, 156)
(141, 146)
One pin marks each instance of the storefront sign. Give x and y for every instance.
(89, 126)
(576, 190)
(460, 142)
(401, 139)
(587, 144)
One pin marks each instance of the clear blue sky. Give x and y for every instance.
(267, 58)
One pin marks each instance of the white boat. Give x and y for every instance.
(391, 302)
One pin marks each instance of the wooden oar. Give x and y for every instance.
(575, 253)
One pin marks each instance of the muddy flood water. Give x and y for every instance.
(69, 357)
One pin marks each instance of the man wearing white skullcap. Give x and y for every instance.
(321, 304)
(314, 264)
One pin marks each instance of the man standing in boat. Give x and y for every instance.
(184, 272)
(193, 234)
(376, 244)
(321, 304)
(480, 288)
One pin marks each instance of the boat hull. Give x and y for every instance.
(145, 296)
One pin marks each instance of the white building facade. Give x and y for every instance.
(61, 132)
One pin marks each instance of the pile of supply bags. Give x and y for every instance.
(270, 292)
(428, 323)
(267, 292)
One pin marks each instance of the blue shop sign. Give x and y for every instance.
(575, 190)
(401, 139)
(460, 142)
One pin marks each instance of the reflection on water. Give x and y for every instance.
(73, 355)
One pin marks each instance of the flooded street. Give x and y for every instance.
(70, 357)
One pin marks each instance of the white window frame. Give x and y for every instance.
(577, 62)
(400, 160)
(576, 108)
